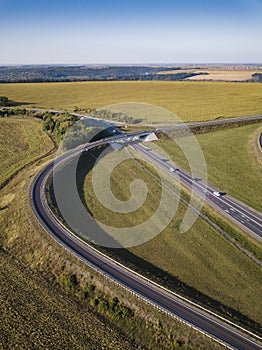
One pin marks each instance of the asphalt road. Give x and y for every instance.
(142, 287)
(247, 218)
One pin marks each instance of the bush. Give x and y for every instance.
(68, 280)
(94, 302)
(113, 302)
(178, 343)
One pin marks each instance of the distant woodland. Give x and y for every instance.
(257, 77)
(23, 74)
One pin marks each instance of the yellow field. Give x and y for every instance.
(190, 101)
(226, 75)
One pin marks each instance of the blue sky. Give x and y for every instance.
(83, 31)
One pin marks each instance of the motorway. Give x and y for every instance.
(247, 218)
(145, 289)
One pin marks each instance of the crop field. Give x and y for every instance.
(21, 141)
(226, 75)
(232, 162)
(35, 315)
(190, 101)
(200, 258)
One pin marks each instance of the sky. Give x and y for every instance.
(130, 31)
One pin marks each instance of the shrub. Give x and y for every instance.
(68, 280)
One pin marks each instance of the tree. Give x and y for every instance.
(4, 101)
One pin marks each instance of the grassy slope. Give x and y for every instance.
(231, 161)
(201, 257)
(188, 100)
(36, 314)
(21, 141)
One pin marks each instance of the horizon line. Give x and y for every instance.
(130, 64)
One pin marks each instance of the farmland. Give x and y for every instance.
(190, 101)
(53, 319)
(220, 75)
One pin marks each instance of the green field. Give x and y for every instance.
(232, 161)
(190, 101)
(21, 141)
(200, 258)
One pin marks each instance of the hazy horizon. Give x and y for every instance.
(134, 64)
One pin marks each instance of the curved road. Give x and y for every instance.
(145, 289)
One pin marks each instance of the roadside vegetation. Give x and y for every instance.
(63, 128)
(199, 264)
(190, 101)
(232, 162)
(64, 302)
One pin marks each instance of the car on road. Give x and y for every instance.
(216, 193)
(173, 169)
(219, 194)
